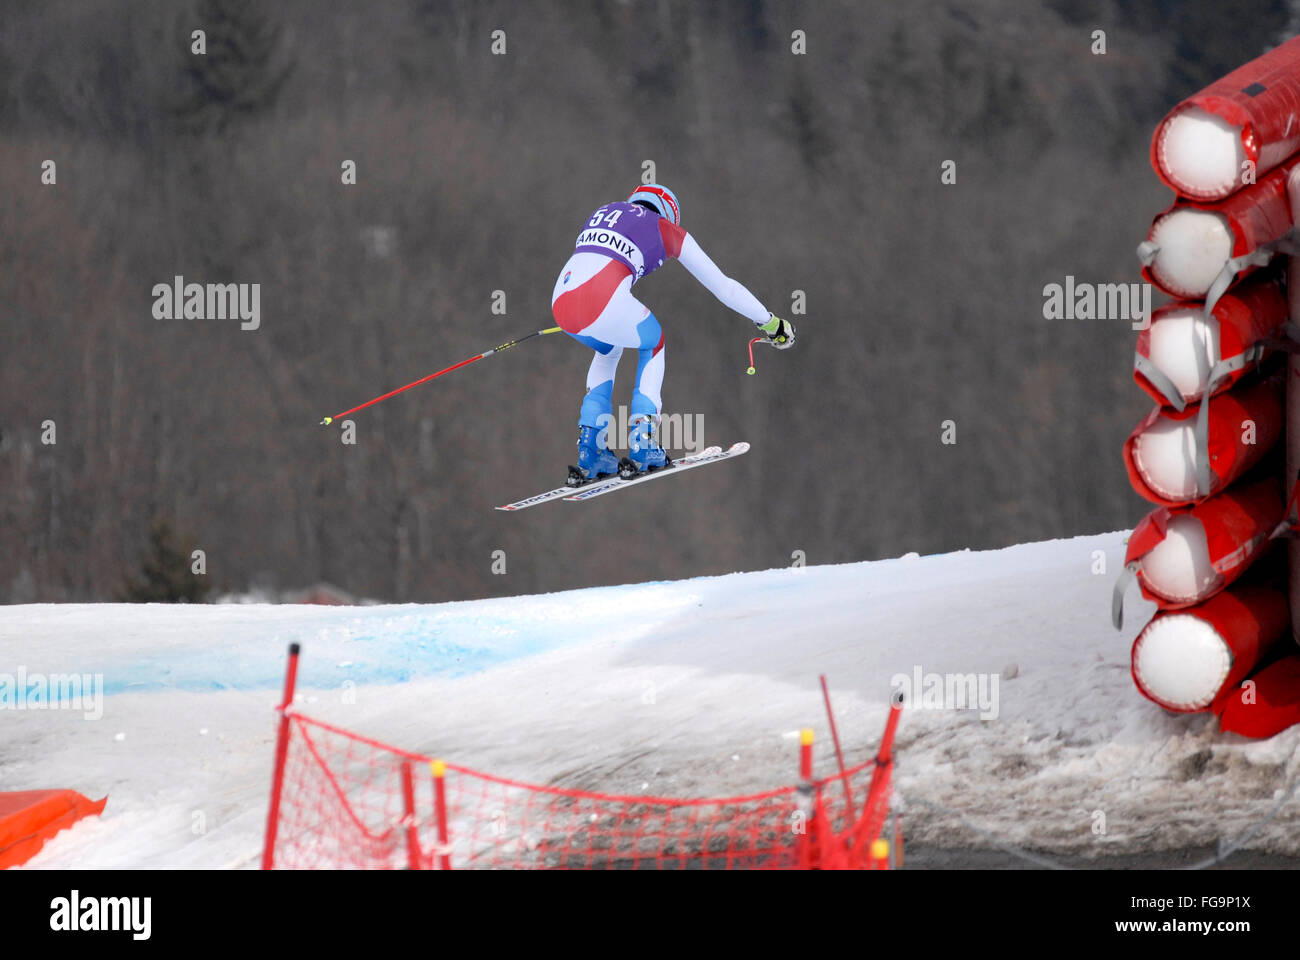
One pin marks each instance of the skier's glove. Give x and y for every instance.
(780, 333)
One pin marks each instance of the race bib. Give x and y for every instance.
(614, 244)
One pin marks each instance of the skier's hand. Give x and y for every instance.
(780, 333)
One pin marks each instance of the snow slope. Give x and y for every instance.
(685, 688)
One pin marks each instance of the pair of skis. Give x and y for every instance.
(598, 488)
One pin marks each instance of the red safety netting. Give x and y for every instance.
(341, 800)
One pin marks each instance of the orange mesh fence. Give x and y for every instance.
(341, 800)
(350, 802)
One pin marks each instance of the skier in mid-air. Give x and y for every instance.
(593, 303)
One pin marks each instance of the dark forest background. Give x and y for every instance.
(816, 172)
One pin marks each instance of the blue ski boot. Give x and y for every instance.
(644, 452)
(594, 458)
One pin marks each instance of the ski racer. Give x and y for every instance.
(593, 303)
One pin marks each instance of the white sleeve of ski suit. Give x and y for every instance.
(731, 293)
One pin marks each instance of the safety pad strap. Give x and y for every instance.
(1128, 575)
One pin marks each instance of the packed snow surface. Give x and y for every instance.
(688, 688)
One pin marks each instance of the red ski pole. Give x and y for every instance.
(433, 376)
(752, 369)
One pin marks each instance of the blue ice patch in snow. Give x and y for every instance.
(401, 647)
